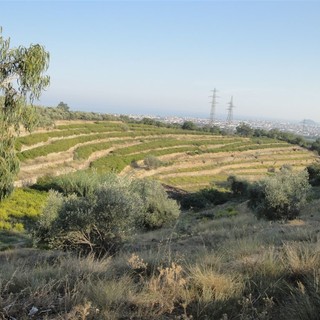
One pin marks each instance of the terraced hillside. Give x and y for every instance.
(189, 159)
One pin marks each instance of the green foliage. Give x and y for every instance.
(21, 79)
(316, 146)
(158, 210)
(188, 125)
(9, 164)
(21, 208)
(244, 129)
(152, 162)
(100, 213)
(238, 186)
(99, 222)
(124, 156)
(228, 212)
(204, 198)
(63, 107)
(74, 129)
(43, 229)
(289, 137)
(314, 174)
(81, 183)
(280, 197)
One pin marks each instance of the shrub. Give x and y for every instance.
(189, 125)
(194, 200)
(204, 198)
(228, 212)
(314, 174)
(97, 222)
(280, 196)
(158, 210)
(104, 218)
(237, 186)
(43, 229)
(152, 162)
(82, 183)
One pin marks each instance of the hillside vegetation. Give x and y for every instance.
(188, 159)
(93, 237)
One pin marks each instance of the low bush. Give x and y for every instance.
(204, 198)
(314, 174)
(98, 222)
(158, 210)
(152, 162)
(99, 214)
(81, 183)
(280, 197)
(238, 186)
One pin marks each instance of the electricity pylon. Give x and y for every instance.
(230, 111)
(213, 107)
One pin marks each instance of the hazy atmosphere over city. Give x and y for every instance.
(164, 57)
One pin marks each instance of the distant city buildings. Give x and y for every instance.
(308, 129)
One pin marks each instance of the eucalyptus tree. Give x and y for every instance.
(22, 79)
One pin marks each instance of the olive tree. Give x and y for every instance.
(104, 218)
(22, 79)
(280, 197)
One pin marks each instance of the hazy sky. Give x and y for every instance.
(164, 57)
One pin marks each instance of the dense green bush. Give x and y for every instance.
(281, 196)
(43, 230)
(98, 222)
(203, 198)
(103, 213)
(189, 125)
(314, 174)
(244, 129)
(238, 186)
(158, 209)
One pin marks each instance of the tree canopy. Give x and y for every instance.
(22, 79)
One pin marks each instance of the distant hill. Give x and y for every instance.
(309, 122)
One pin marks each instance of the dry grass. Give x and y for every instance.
(226, 268)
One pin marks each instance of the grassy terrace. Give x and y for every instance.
(70, 130)
(83, 152)
(65, 131)
(188, 151)
(264, 162)
(120, 159)
(85, 134)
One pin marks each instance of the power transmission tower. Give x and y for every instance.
(213, 107)
(230, 111)
(304, 126)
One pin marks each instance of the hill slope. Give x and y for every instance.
(189, 159)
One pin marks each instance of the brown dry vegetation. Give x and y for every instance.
(204, 268)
